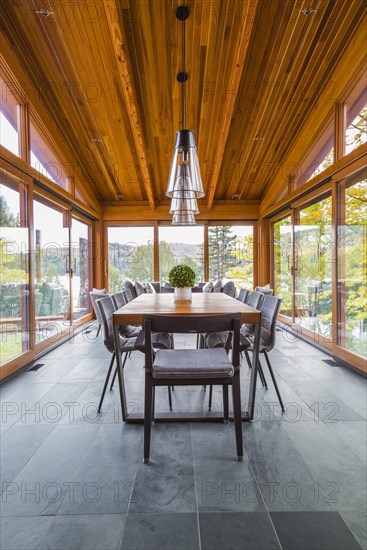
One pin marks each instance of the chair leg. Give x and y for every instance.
(248, 359)
(98, 330)
(225, 404)
(106, 381)
(261, 374)
(115, 373)
(170, 398)
(148, 410)
(237, 413)
(273, 379)
(210, 397)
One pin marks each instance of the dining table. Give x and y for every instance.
(201, 304)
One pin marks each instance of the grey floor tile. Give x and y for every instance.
(222, 483)
(40, 486)
(167, 483)
(237, 531)
(357, 523)
(340, 477)
(105, 481)
(17, 446)
(327, 406)
(353, 433)
(161, 532)
(89, 532)
(23, 401)
(27, 533)
(284, 477)
(313, 531)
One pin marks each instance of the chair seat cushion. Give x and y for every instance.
(160, 340)
(192, 363)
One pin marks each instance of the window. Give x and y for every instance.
(352, 272)
(319, 158)
(130, 255)
(356, 117)
(282, 262)
(9, 120)
(313, 268)
(45, 161)
(14, 270)
(81, 264)
(52, 270)
(179, 245)
(231, 254)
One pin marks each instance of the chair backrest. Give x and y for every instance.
(264, 290)
(269, 313)
(255, 299)
(106, 308)
(119, 299)
(94, 296)
(196, 323)
(128, 295)
(129, 285)
(243, 295)
(229, 288)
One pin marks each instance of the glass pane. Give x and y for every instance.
(282, 262)
(352, 276)
(81, 268)
(356, 117)
(178, 245)
(313, 268)
(45, 161)
(9, 120)
(14, 271)
(52, 281)
(320, 157)
(231, 254)
(130, 255)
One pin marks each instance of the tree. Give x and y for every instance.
(7, 218)
(242, 272)
(222, 243)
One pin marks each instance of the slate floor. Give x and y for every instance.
(74, 480)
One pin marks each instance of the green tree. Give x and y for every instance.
(242, 272)
(222, 245)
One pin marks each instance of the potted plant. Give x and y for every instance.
(182, 278)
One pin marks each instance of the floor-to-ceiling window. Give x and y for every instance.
(282, 263)
(181, 245)
(81, 267)
(9, 119)
(130, 255)
(231, 253)
(352, 264)
(313, 267)
(52, 269)
(14, 269)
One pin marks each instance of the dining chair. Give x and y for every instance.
(127, 343)
(106, 307)
(94, 296)
(269, 313)
(243, 295)
(191, 367)
(128, 295)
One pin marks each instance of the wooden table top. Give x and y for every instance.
(202, 304)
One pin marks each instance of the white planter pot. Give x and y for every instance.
(183, 293)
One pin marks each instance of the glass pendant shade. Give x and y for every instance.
(184, 175)
(183, 218)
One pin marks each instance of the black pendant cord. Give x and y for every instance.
(184, 71)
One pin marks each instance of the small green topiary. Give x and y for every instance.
(182, 276)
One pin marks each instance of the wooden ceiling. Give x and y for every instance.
(107, 71)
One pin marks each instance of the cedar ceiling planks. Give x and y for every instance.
(107, 69)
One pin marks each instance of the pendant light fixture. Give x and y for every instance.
(184, 180)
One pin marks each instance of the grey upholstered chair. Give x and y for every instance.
(269, 313)
(106, 308)
(243, 295)
(128, 344)
(94, 296)
(119, 300)
(192, 366)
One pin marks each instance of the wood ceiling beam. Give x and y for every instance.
(120, 46)
(234, 84)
